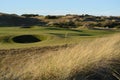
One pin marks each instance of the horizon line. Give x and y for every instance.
(63, 14)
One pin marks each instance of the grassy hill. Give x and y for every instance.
(62, 21)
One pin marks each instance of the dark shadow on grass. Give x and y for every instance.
(100, 73)
(25, 27)
(75, 30)
(26, 39)
(85, 35)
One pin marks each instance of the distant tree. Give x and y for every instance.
(29, 15)
(51, 17)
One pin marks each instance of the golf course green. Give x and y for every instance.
(17, 37)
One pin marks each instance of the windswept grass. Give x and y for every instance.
(96, 60)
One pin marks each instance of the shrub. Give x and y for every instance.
(51, 17)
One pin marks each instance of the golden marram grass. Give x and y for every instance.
(96, 60)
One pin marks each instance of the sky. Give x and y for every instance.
(61, 7)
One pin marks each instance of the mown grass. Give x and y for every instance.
(52, 36)
(96, 60)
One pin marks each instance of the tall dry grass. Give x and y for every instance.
(96, 60)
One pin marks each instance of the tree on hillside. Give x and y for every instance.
(51, 17)
(29, 15)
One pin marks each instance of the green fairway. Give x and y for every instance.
(47, 36)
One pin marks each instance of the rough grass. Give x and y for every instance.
(96, 60)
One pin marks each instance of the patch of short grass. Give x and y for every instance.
(52, 36)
